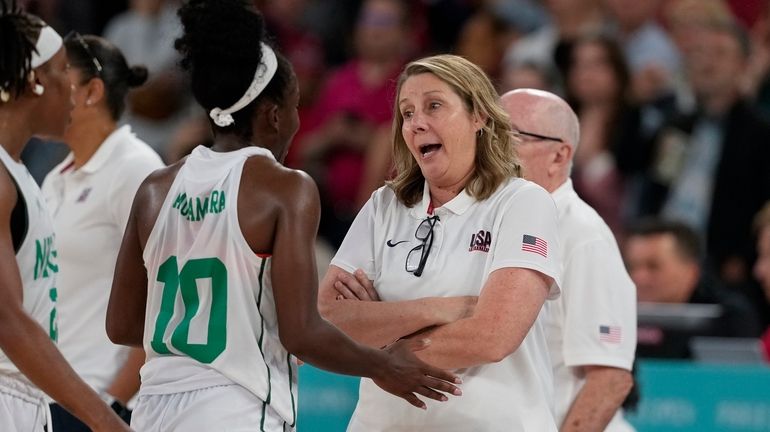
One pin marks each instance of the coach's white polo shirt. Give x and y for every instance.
(90, 208)
(515, 227)
(594, 321)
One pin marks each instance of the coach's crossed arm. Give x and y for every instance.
(379, 323)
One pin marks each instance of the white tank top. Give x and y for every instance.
(36, 258)
(210, 317)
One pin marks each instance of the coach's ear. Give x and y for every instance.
(562, 157)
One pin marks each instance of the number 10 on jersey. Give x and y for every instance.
(185, 282)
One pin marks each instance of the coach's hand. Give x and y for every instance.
(356, 286)
(405, 374)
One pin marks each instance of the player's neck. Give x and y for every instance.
(14, 132)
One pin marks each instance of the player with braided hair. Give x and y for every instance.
(35, 99)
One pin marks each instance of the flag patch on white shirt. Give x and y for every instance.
(535, 245)
(609, 334)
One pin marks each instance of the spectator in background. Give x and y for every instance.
(652, 56)
(591, 328)
(598, 88)
(304, 50)
(762, 266)
(90, 195)
(516, 75)
(145, 34)
(664, 260)
(551, 43)
(758, 77)
(710, 168)
(685, 20)
(355, 102)
(496, 25)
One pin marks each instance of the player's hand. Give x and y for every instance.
(356, 286)
(114, 424)
(405, 374)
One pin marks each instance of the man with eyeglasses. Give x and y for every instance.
(591, 328)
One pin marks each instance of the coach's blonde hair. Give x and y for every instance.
(496, 158)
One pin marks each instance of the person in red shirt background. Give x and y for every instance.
(352, 110)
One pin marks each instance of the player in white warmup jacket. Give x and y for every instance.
(216, 275)
(35, 99)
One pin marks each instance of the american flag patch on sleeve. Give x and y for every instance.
(609, 334)
(535, 245)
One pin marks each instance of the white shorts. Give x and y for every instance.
(22, 407)
(228, 408)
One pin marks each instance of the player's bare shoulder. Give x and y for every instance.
(151, 194)
(282, 186)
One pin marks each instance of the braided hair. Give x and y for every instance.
(19, 32)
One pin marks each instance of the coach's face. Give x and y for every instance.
(438, 129)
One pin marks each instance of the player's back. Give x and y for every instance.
(210, 317)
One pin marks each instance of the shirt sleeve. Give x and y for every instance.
(528, 236)
(125, 184)
(599, 308)
(357, 249)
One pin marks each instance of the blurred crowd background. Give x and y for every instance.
(673, 98)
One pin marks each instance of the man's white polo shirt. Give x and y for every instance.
(515, 227)
(90, 208)
(594, 321)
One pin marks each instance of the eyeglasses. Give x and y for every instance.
(83, 44)
(424, 233)
(538, 136)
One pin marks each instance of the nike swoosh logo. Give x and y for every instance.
(391, 244)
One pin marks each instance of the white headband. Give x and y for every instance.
(265, 71)
(48, 44)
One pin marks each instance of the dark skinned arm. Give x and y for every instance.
(28, 346)
(127, 381)
(128, 298)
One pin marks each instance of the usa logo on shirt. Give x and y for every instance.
(480, 241)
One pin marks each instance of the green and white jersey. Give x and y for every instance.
(36, 258)
(210, 317)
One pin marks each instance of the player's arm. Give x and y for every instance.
(508, 306)
(127, 381)
(128, 298)
(378, 323)
(26, 343)
(311, 338)
(599, 399)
